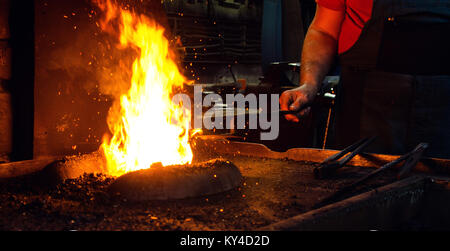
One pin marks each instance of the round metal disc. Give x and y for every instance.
(178, 181)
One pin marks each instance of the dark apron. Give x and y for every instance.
(395, 80)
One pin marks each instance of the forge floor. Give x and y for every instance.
(272, 190)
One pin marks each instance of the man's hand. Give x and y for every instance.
(298, 100)
(319, 50)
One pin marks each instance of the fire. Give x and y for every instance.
(146, 126)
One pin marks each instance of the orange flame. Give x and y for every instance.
(148, 127)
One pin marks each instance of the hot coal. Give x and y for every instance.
(272, 190)
(178, 181)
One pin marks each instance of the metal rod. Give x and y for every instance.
(325, 136)
(411, 160)
(357, 151)
(235, 113)
(345, 151)
(330, 165)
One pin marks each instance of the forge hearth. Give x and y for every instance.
(278, 192)
(271, 190)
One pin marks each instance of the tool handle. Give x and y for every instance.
(330, 165)
(345, 151)
(411, 162)
(356, 151)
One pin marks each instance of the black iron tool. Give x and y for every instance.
(234, 113)
(329, 166)
(411, 160)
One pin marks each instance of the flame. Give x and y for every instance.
(146, 126)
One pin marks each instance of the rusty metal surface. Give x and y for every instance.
(5, 124)
(5, 60)
(380, 209)
(217, 145)
(21, 168)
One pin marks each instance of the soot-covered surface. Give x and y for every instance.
(272, 190)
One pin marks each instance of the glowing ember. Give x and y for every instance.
(146, 126)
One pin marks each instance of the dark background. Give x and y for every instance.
(57, 70)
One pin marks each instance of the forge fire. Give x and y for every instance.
(205, 115)
(146, 126)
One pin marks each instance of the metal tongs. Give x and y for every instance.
(332, 164)
(412, 158)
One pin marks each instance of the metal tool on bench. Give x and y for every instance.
(329, 166)
(233, 112)
(411, 161)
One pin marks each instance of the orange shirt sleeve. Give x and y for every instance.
(332, 4)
